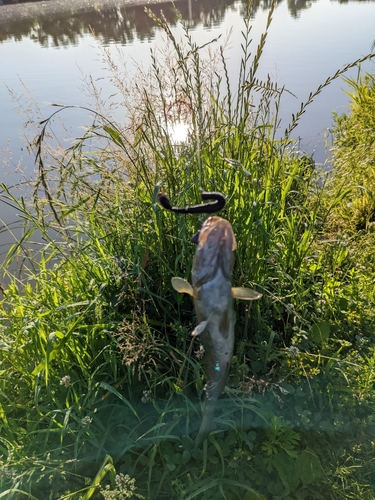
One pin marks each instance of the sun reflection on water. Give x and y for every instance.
(178, 132)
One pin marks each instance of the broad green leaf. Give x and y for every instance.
(320, 332)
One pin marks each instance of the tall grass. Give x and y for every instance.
(354, 153)
(98, 387)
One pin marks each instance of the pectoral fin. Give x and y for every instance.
(242, 293)
(201, 327)
(182, 286)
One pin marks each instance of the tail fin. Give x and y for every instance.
(207, 421)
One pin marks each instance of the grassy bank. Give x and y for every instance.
(99, 394)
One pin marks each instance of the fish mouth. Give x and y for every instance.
(218, 231)
(215, 245)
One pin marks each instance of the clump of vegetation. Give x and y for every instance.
(354, 154)
(99, 389)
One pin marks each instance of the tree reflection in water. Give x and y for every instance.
(64, 23)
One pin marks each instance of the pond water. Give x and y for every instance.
(47, 48)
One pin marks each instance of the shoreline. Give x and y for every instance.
(17, 13)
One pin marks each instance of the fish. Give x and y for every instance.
(213, 295)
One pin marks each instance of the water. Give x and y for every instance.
(47, 48)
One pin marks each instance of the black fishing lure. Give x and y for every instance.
(204, 208)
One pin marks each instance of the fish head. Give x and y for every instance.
(215, 245)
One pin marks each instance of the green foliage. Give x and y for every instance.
(353, 154)
(99, 382)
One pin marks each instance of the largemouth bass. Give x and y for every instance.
(213, 295)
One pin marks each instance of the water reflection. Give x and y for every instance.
(295, 6)
(52, 24)
(64, 23)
